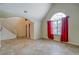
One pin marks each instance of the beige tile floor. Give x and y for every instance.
(37, 47)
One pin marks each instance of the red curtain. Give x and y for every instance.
(64, 30)
(50, 29)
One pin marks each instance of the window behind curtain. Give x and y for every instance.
(57, 20)
(56, 27)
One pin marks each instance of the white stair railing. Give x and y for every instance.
(6, 34)
(0, 35)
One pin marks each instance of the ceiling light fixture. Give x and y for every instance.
(25, 11)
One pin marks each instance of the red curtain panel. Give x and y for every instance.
(64, 30)
(50, 29)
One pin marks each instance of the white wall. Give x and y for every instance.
(71, 10)
(37, 29)
(35, 13)
(6, 34)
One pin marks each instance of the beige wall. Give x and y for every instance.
(20, 28)
(71, 10)
(17, 25)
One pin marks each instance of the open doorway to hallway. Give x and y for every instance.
(15, 27)
(29, 29)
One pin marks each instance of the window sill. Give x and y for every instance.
(56, 35)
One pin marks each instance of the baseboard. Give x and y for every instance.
(21, 37)
(9, 39)
(72, 43)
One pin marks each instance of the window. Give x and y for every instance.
(57, 27)
(56, 19)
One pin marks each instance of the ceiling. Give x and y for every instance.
(34, 11)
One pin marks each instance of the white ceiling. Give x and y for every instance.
(35, 11)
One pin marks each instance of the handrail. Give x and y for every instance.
(7, 29)
(6, 34)
(1, 28)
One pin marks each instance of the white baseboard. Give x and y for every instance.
(73, 43)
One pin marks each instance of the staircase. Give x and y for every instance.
(6, 34)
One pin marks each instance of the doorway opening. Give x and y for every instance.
(29, 29)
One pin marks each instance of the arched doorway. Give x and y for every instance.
(29, 29)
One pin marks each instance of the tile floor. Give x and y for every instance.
(37, 47)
